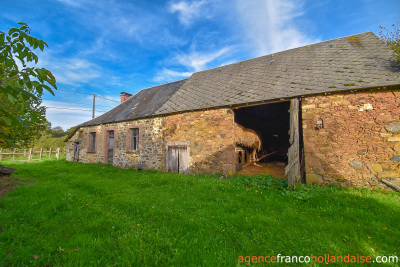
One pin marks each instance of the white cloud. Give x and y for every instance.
(192, 62)
(67, 114)
(74, 3)
(271, 25)
(71, 71)
(170, 75)
(197, 61)
(189, 11)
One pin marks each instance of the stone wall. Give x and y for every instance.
(359, 143)
(211, 137)
(210, 134)
(149, 154)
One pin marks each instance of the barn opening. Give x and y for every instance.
(271, 122)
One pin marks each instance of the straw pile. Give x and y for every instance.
(247, 138)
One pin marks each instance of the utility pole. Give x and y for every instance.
(94, 103)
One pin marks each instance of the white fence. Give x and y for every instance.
(31, 155)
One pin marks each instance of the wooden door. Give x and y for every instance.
(110, 149)
(293, 169)
(76, 151)
(177, 158)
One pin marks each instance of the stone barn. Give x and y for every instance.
(329, 111)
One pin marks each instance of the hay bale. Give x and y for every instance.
(247, 138)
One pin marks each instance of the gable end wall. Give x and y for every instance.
(151, 144)
(353, 148)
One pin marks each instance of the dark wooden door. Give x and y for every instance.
(293, 169)
(110, 150)
(76, 151)
(177, 159)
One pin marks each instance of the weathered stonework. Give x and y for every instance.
(150, 154)
(211, 137)
(357, 144)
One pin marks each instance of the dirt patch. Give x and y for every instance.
(7, 184)
(275, 169)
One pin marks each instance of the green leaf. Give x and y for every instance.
(12, 30)
(39, 89)
(47, 88)
(11, 98)
(7, 120)
(41, 45)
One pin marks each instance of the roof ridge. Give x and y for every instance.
(284, 51)
(160, 85)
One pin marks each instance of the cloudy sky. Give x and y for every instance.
(105, 47)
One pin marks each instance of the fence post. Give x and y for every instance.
(1, 150)
(40, 153)
(29, 154)
(50, 153)
(58, 153)
(14, 154)
(24, 152)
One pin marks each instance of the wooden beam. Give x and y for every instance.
(288, 167)
(257, 160)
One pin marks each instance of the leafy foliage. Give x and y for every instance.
(391, 38)
(21, 86)
(50, 138)
(265, 182)
(22, 135)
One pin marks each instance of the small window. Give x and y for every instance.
(92, 142)
(135, 139)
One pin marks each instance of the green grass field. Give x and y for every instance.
(74, 214)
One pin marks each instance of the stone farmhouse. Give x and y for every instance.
(330, 111)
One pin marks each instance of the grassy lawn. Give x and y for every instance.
(74, 214)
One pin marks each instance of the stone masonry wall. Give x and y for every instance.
(359, 143)
(149, 154)
(211, 137)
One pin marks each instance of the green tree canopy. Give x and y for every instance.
(21, 85)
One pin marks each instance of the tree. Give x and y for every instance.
(21, 86)
(58, 131)
(392, 39)
(23, 135)
(50, 137)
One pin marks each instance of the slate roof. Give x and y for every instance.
(145, 103)
(354, 62)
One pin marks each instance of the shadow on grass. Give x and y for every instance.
(128, 217)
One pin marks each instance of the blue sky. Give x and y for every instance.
(105, 47)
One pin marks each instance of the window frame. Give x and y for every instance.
(129, 136)
(90, 148)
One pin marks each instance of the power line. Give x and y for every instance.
(107, 99)
(74, 92)
(74, 109)
(78, 103)
(88, 94)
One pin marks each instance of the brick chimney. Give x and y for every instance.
(125, 96)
